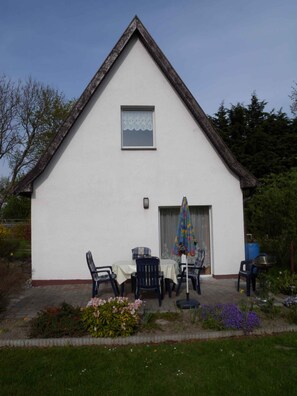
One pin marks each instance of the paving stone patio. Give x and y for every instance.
(30, 301)
(33, 299)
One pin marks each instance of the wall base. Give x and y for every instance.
(229, 276)
(52, 282)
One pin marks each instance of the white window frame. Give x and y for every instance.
(138, 108)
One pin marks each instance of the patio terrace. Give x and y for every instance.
(32, 300)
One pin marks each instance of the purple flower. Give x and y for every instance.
(229, 316)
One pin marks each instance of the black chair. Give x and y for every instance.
(101, 275)
(247, 271)
(140, 252)
(194, 271)
(149, 277)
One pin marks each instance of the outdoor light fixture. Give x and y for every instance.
(146, 203)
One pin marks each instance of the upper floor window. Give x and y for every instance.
(138, 127)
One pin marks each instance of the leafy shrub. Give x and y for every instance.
(8, 244)
(23, 251)
(56, 322)
(271, 214)
(268, 307)
(22, 231)
(228, 316)
(114, 317)
(292, 316)
(11, 280)
(16, 207)
(15, 241)
(282, 282)
(5, 232)
(8, 248)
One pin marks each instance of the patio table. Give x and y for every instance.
(123, 269)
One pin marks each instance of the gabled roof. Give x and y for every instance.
(136, 28)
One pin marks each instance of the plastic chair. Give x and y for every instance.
(139, 252)
(101, 275)
(194, 271)
(247, 271)
(149, 277)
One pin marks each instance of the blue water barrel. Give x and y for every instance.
(252, 250)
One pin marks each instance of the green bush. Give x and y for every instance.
(16, 207)
(15, 241)
(281, 282)
(115, 317)
(8, 247)
(12, 279)
(292, 315)
(268, 307)
(271, 215)
(55, 322)
(22, 231)
(23, 251)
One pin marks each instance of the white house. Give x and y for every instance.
(136, 132)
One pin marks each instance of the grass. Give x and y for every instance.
(246, 366)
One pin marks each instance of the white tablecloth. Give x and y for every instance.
(124, 269)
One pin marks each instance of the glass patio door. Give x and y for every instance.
(201, 223)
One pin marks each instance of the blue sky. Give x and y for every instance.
(223, 50)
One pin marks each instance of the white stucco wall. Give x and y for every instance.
(90, 196)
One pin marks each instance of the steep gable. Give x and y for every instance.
(137, 29)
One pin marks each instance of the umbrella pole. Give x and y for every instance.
(187, 278)
(187, 303)
(183, 241)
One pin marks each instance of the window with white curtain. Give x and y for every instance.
(138, 127)
(200, 219)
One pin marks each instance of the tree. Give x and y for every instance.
(221, 121)
(16, 207)
(264, 142)
(30, 114)
(293, 97)
(8, 105)
(271, 214)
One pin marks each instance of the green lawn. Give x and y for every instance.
(247, 366)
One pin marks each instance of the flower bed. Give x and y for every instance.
(114, 317)
(228, 316)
